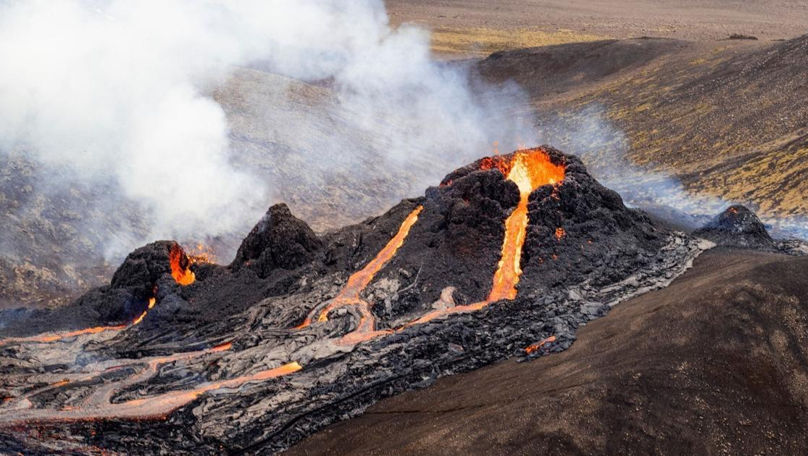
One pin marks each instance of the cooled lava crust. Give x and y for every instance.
(507, 256)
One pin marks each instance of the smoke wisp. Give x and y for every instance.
(124, 93)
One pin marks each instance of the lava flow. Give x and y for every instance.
(99, 405)
(538, 345)
(349, 296)
(180, 266)
(529, 170)
(55, 336)
(180, 271)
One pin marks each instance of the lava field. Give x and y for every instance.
(506, 257)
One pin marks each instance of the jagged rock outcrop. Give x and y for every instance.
(279, 240)
(737, 226)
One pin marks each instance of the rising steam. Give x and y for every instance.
(122, 93)
(604, 148)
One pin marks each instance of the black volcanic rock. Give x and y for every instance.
(578, 232)
(279, 240)
(737, 226)
(582, 232)
(144, 266)
(255, 311)
(456, 242)
(126, 297)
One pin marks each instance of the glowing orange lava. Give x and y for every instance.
(533, 347)
(200, 253)
(55, 336)
(98, 404)
(560, 233)
(180, 266)
(349, 296)
(529, 169)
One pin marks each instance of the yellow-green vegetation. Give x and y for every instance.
(725, 133)
(481, 41)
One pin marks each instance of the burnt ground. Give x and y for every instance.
(713, 364)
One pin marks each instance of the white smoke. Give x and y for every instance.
(604, 149)
(120, 91)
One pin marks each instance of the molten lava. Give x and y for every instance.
(56, 336)
(180, 266)
(349, 296)
(529, 170)
(200, 253)
(98, 404)
(534, 347)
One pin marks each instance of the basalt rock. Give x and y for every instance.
(126, 296)
(581, 232)
(737, 226)
(301, 330)
(279, 240)
(456, 243)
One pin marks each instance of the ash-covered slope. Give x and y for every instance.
(507, 256)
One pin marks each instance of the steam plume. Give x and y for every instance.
(121, 92)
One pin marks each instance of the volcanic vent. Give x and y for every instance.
(507, 256)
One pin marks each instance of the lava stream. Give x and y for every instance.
(529, 170)
(358, 281)
(56, 336)
(534, 347)
(98, 405)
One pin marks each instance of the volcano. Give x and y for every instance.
(507, 256)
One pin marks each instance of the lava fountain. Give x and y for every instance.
(180, 266)
(529, 170)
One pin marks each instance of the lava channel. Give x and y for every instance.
(56, 336)
(358, 281)
(529, 170)
(98, 405)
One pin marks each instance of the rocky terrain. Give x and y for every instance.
(507, 256)
(688, 111)
(712, 364)
(710, 119)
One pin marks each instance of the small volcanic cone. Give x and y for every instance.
(737, 226)
(124, 302)
(278, 241)
(534, 220)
